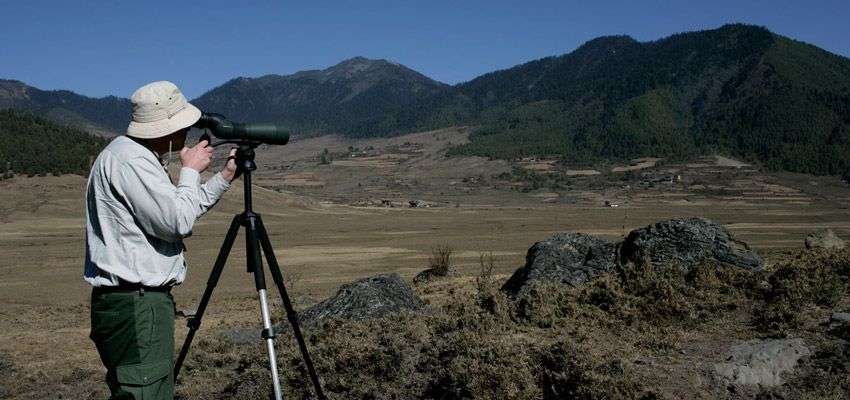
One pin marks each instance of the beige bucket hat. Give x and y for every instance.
(160, 109)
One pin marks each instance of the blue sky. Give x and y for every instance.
(99, 48)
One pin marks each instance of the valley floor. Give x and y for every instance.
(325, 239)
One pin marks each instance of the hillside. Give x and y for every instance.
(357, 97)
(35, 146)
(739, 89)
(107, 115)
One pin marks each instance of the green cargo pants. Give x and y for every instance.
(134, 335)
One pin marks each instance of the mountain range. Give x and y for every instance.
(106, 115)
(738, 89)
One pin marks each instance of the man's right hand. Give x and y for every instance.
(198, 157)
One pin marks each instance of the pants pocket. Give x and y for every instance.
(114, 335)
(143, 374)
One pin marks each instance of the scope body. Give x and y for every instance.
(223, 128)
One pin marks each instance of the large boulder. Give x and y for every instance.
(824, 239)
(761, 363)
(371, 297)
(567, 258)
(686, 242)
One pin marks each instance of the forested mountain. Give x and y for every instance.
(359, 97)
(33, 145)
(107, 115)
(739, 89)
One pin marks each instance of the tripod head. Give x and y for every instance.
(245, 157)
(244, 152)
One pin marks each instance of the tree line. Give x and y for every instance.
(31, 145)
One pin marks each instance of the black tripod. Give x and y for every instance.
(255, 237)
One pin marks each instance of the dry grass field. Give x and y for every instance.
(328, 229)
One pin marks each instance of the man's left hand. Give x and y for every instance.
(229, 170)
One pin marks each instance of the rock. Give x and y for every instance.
(370, 297)
(840, 317)
(839, 324)
(424, 276)
(187, 313)
(568, 258)
(433, 274)
(824, 239)
(761, 363)
(418, 204)
(686, 242)
(244, 335)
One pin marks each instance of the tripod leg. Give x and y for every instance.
(291, 315)
(255, 265)
(195, 322)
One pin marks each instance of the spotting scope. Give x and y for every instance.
(223, 128)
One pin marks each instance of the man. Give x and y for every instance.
(135, 222)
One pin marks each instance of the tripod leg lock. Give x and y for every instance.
(193, 323)
(267, 334)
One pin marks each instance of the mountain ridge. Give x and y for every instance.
(737, 89)
(98, 115)
(740, 89)
(355, 92)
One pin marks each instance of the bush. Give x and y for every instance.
(324, 157)
(440, 261)
(813, 279)
(460, 352)
(439, 265)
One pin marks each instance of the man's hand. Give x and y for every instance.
(229, 170)
(198, 157)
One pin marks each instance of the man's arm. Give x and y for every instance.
(160, 208)
(212, 190)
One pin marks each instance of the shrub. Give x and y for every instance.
(484, 280)
(813, 279)
(440, 261)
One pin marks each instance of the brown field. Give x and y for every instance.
(324, 240)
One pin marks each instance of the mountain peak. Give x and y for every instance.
(358, 60)
(345, 97)
(359, 64)
(12, 91)
(606, 44)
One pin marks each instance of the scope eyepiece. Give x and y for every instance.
(223, 128)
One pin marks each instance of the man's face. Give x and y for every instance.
(178, 139)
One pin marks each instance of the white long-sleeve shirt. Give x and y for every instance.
(136, 218)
